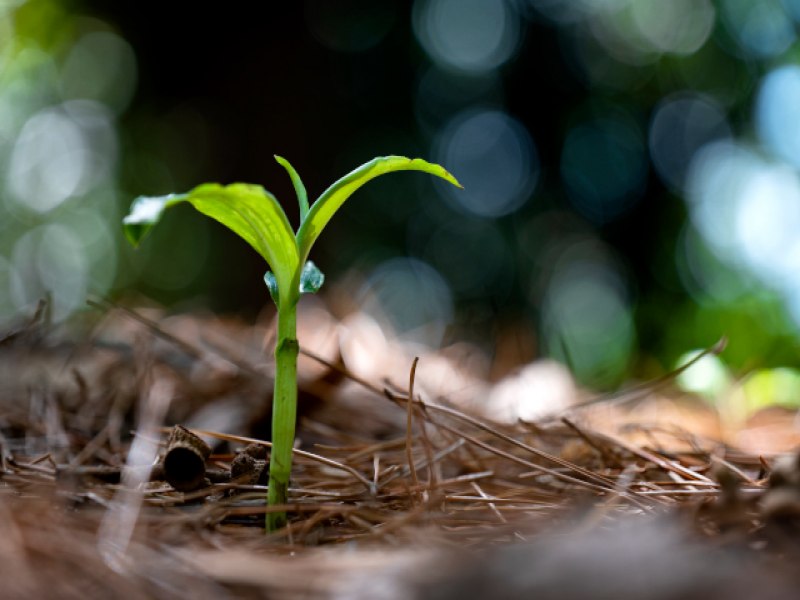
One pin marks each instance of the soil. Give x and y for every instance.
(133, 451)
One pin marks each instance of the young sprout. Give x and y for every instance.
(257, 217)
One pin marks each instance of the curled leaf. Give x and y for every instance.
(145, 212)
(335, 196)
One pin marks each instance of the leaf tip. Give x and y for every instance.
(449, 177)
(131, 235)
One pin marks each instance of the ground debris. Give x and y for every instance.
(133, 461)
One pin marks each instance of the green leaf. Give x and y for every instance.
(248, 210)
(311, 279)
(335, 196)
(299, 188)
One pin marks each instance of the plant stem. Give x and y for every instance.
(284, 411)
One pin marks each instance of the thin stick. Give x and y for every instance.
(342, 371)
(428, 447)
(423, 462)
(654, 458)
(94, 444)
(607, 456)
(728, 465)
(104, 305)
(647, 387)
(507, 438)
(409, 423)
(526, 463)
(492, 506)
(376, 469)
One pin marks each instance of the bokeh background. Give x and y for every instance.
(630, 167)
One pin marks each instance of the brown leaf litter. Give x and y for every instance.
(133, 464)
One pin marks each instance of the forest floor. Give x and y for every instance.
(647, 494)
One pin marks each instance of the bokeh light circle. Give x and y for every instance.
(587, 320)
(413, 296)
(676, 27)
(747, 209)
(682, 124)
(100, 66)
(494, 158)
(767, 222)
(716, 174)
(61, 152)
(762, 28)
(467, 35)
(49, 161)
(50, 260)
(777, 114)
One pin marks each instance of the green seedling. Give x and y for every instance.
(256, 216)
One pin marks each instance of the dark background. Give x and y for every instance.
(220, 90)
